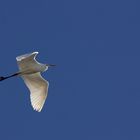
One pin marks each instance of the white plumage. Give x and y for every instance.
(30, 72)
(38, 89)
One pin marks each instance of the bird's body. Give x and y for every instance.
(29, 70)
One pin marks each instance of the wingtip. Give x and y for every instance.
(35, 52)
(37, 109)
(21, 57)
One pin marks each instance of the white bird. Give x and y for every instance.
(29, 70)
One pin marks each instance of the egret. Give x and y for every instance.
(30, 70)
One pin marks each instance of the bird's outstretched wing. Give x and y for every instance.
(27, 60)
(38, 89)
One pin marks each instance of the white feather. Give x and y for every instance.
(30, 72)
(38, 90)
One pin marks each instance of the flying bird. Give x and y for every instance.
(30, 70)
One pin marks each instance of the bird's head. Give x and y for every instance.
(48, 66)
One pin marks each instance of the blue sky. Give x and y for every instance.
(94, 91)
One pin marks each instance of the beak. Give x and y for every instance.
(50, 65)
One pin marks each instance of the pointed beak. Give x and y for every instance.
(50, 65)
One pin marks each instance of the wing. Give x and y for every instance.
(38, 90)
(27, 60)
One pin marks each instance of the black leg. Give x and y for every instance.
(2, 78)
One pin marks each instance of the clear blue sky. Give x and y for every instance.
(94, 91)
